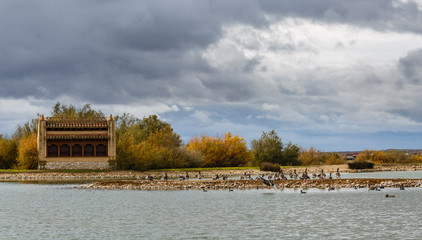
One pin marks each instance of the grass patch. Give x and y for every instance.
(47, 171)
(78, 170)
(19, 171)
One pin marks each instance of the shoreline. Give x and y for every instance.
(329, 184)
(135, 175)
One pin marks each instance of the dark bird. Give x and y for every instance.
(387, 196)
(302, 192)
(267, 182)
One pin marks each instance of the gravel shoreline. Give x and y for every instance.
(136, 180)
(329, 184)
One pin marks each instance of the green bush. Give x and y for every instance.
(360, 165)
(267, 166)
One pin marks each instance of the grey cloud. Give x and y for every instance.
(108, 51)
(103, 50)
(378, 14)
(411, 67)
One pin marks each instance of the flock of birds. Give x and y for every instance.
(271, 177)
(294, 175)
(268, 179)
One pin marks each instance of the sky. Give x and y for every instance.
(337, 75)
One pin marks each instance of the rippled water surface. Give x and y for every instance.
(30, 211)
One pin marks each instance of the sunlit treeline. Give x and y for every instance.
(150, 143)
(388, 156)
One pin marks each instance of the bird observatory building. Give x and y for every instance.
(76, 143)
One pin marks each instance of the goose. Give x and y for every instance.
(338, 173)
(387, 196)
(187, 176)
(267, 182)
(401, 187)
(323, 174)
(181, 178)
(302, 192)
(165, 178)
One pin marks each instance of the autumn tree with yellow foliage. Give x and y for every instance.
(227, 151)
(313, 156)
(151, 143)
(28, 152)
(8, 152)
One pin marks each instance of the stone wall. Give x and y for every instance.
(75, 165)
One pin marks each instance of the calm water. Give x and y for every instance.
(398, 174)
(30, 211)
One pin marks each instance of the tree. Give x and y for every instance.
(25, 130)
(313, 156)
(228, 151)
(150, 143)
(268, 148)
(60, 110)
(8, 152)
(364, 156)
(28, 152)
(291, 154)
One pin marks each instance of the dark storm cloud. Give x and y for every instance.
(100, 50)
(123, 51)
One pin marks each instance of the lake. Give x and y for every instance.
(31, 211)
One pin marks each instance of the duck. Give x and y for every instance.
(387, 196)
(302, 192)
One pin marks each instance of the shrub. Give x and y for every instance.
(267, 166)
(360, 165)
